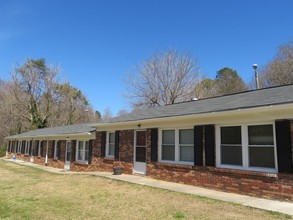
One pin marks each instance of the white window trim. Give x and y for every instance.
(108, 144)
(245, 148)
(55, 150)
(177, 146)
(27, 147)
(83, 149)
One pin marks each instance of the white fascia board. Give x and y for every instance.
(264, 113)
(85, 135)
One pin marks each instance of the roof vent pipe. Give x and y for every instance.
(256, 75)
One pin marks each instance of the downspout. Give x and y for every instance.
(46, 160)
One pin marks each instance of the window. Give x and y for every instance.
(247, 146)
(56, 150)
(27, 147)
(177, 145)
(82, 152)
(168, 145)
(186, 143)
(261, 146)
(18, 146)
(231, 146)
(110, 146)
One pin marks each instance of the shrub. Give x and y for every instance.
(2, 151)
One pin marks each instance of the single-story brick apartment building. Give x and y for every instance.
(241, 143)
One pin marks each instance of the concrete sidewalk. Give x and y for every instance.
(266, 204)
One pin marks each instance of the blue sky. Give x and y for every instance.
(97, 42)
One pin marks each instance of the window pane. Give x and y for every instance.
(231, 155)
(231, 135)
(187, 153)
(186, 136)
(168, 136)
(111, 137)
(260, 135)
(168, 152)
(261, 157)
(141, 138)
(111, 149)
(140, 154)
(86, 155)
(80, 150)
(80, 145)
(86, 145)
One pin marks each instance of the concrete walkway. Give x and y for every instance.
(266, 204)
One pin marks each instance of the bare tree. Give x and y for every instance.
(164, 78)
(279, 71)
(122, 112)
(71, 106)
(107, 114)
(33, 85)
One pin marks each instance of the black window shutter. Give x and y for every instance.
(210, 144)
(198, 145)
(103, 144)
(73, 149)
(117, 144)
(90, 151)
(53, 148)
(36, 148)
(154, 144)
(284, 150)
(59, 149)
(30, 147)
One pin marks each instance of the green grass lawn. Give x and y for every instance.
(30, 193)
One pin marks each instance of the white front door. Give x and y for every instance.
(67, 155)
(139, 152)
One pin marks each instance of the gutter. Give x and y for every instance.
(196, 115)
(43, 137)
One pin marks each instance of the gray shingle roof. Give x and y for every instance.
(250, 99)
(56, 131)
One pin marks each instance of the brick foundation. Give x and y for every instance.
(265, 185)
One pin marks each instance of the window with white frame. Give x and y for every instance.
(19, 146)
(27, 147)
(110, 145)
(82, 152)
(177, 145)
(247, 146)
(56, 150)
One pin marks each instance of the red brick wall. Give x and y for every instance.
(97, 145)
(273, 186)
(148, 146)
(126, 145)
(107, 164)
